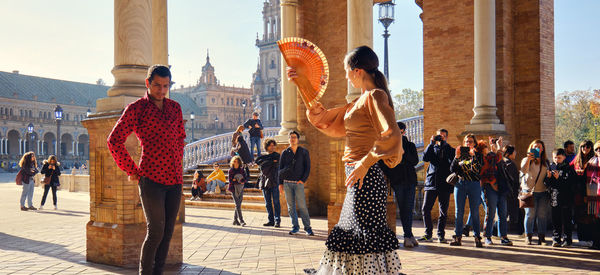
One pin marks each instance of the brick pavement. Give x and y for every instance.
(53, 242)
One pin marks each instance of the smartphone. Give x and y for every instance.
(464, 152)
(535, 152)
(553, 167)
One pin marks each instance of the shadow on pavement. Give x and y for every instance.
(319, 234)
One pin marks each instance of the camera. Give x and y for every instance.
(438, 138)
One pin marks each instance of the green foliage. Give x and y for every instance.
(574, 117)
(407, 103)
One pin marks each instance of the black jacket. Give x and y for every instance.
(47, 172)
(468, 168)
(562, 190)
(508, 177)
(29, 172)
(403, 173)
(439, 157)
(254, 132)
(294, 167)
(242, 149)
(269, 170)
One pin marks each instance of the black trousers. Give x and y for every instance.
(161, 205)
(561, 222)
(197, 192)
(428, 202)
(46, 189)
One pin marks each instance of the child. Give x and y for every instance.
(198, 186)
(560, 182)
(237, 178)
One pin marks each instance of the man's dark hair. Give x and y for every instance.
(508, 150)
(442, 130)
(255, 114)
(294, 133)
(158, 70)
(401, 125)
(567, 143)
(268, 143)
(560, 152)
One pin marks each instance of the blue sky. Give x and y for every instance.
(73, 40)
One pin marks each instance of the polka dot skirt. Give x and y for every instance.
(362, 242)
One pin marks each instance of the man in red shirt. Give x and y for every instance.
(158, 123)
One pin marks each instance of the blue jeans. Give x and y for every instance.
(255, 141)
(540, 210)
(494, 200)
(294, 194)
(481, 202)
(212, 185)
(271, 196)
(405, 198)
(27, 193)
(463, 190)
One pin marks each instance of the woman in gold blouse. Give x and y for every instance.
(362, 242)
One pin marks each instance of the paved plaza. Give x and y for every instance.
(53, 242)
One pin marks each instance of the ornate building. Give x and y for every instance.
(267, 78)
(28, 99)
(220, 108)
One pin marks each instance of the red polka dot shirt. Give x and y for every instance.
(161, 134)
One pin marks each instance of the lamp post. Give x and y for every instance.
(216, 124)
(88, 113)
(30, 137)
(244, 105)
(58, 114)
(192, 116)
(386, 17)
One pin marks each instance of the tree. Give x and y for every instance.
(407, 103)
(575, 116)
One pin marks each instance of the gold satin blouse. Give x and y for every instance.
(369, 125)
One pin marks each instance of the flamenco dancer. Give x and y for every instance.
(361, 242)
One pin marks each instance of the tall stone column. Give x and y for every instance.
(485, 119)
(117, 225)
(360, 32)
(289, 96)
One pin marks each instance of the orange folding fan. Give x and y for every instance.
(311, 67)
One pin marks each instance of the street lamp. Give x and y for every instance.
(58, 114)
(386, 17)
(192, 116)
(88, 113)
(244, 105)
(216, 122)
(30, 131)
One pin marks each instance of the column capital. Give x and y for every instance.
(289, 3)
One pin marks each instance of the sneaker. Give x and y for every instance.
(23, 208)
(294, 231)
(478, 241)
(425, 238)
(442, 240)
(236, 223)
(556, 243)
(277, 224)
(488, 241)
(55, 208)
(269, 224)
(567, 243)
(32, 208)
(243, 224)
(310, 232)
(414, 241)
(41, 207)
(506, 241)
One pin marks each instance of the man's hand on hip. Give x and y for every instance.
(134, 177)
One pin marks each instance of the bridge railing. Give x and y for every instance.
(217, 148)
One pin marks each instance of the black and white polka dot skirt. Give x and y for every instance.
(362, 242)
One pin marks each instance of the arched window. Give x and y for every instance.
(272, 63)
(20, 113)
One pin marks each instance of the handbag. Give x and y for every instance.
(526, 199)
(19, 177)
(452, 179)
(46, 180)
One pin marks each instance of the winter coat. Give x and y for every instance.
(403, 173)
(242, 148)
(232, 173)
(47, 172)
(439, 157)
(269, 168)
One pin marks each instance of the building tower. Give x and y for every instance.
(267, 78)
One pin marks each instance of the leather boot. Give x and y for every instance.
(478, 241)
(529, 239)
(541, 239)
(456, 241)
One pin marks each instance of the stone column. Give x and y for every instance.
(20, 147)
(117, 225)
(160, 43)
(2, 146)
(133, 54)
(289, 96)
(38, 148)
(485, 119)
(360, 32)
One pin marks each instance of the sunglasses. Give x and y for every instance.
(585, 146)
(597, 149)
